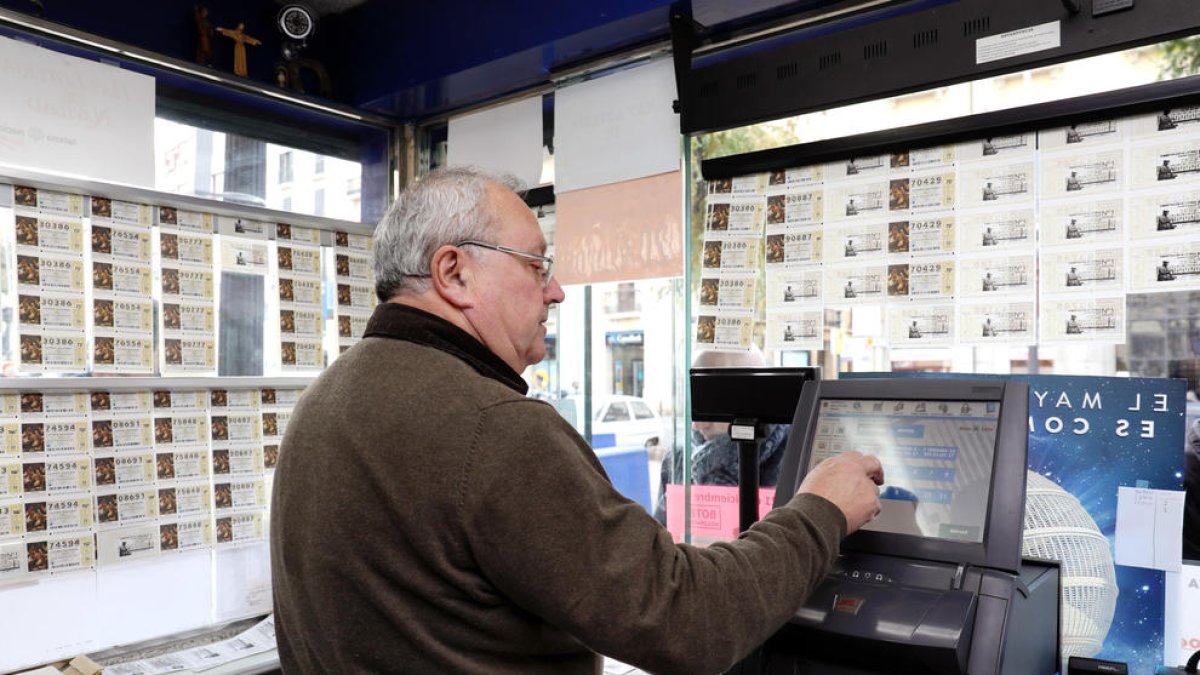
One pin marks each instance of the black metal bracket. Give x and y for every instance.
(685, 37)
(748, 433)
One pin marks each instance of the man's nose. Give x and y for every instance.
(554, 293)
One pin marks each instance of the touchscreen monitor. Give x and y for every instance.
(953, 452)
(937, 458)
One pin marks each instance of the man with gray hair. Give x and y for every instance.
(428, 517)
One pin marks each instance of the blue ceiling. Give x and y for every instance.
(447, 55)
(433, 57)
(413, 60)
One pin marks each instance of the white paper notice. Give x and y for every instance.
(1181, 627)
(63, 113)
(506, 138)
(1148, 526)
(616, 128)
(1018, 42)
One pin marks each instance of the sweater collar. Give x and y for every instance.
(403, 322)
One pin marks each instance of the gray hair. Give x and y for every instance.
(444, 207)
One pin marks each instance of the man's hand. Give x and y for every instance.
(851, 481)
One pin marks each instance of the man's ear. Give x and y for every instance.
(453, 276)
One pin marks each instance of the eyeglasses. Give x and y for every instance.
(545, 269)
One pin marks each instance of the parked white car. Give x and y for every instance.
(630, 420)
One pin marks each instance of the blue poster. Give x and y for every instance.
(1088, 437)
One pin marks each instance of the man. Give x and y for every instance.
(989, 239)
(1165, 172)
(989, 284)
(1073, 327)
(1073, 183)
(1073, 231)
(1073, 278)
(988, 329)
(914, 331)
(1165, 273)
(428, 517)
(1163, 222)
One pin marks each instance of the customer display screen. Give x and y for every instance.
(937, 460)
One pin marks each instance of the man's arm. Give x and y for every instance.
(551, 533)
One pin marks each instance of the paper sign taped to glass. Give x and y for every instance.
(787, 247)
(1083, 271)
(1083, 222)
(787, 180)
(1165, 267)
(915, 324)
(795, 329)
(1083, 319)
(793, 288)
(856, 284)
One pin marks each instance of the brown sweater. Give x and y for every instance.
(427, 517)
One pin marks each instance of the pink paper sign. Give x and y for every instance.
(714, 511)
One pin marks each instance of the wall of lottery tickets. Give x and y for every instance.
(1022, 239)
(135, 507)
(106, 285)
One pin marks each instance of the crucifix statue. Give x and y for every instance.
(240, 40)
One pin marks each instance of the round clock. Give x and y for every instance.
(296, 22)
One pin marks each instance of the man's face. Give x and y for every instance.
(514, 305)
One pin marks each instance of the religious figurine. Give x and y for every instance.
(204, 31)
(240, 40)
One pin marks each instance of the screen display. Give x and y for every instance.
(937, 460)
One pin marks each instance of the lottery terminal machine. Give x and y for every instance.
(936, 583)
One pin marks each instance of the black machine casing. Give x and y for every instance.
(900, 604)
(996, 623)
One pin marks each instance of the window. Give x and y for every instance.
(641, 410)
(319, 165)
(617, 412)
(285, 167)
(205, 163)
(626, 298)
(853, 344)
